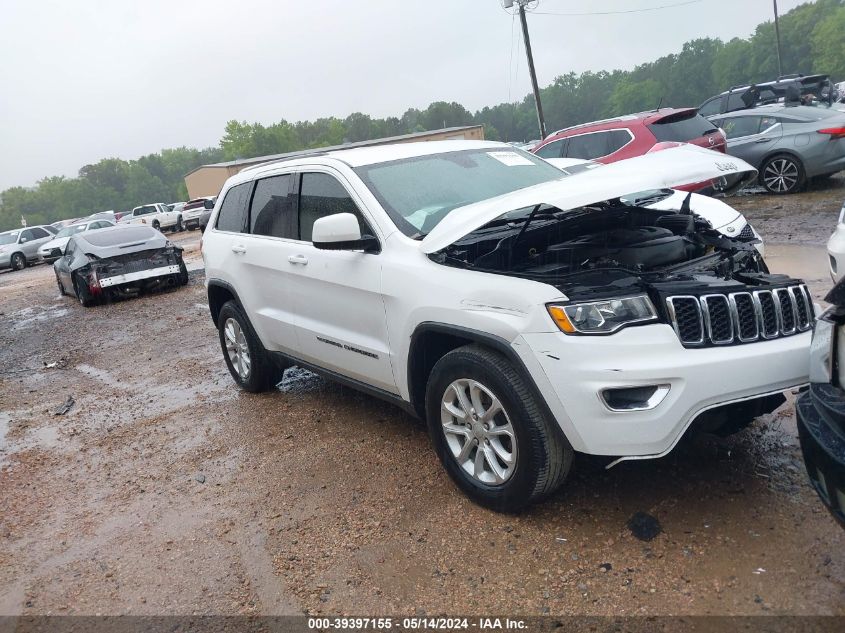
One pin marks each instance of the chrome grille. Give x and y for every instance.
(740, 317)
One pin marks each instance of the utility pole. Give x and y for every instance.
(777, 35)
(540, 119)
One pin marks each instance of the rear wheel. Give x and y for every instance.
(782, 174)
(248, 362)
(490, 433)
(18, 261)
(179, 226)
(80, 288)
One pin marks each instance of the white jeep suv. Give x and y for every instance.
(522, 313)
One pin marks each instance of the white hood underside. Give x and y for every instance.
(667, 169)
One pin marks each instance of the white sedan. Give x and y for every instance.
(55, 248)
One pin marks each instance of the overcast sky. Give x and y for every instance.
(90, 79)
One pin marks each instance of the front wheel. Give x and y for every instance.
(60, 284)
(247, 360)
(18, 261)
(179, 226)
(490, 433)
(782, 174)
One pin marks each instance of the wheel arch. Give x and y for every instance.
(430, 341)
(780, 152)
(219, 292)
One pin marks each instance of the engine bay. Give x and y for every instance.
(604, 242)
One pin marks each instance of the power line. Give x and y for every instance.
(620, 12)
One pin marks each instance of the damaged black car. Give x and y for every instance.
(118, 262)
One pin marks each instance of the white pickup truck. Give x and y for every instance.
(158, 215)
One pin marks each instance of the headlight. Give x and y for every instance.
(602, 317)
(821, 351)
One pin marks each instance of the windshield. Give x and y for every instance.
(419, 192)
(8, 238)
(70, 230)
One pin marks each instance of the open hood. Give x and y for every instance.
(667, 169)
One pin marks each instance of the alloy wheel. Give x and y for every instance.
(781, 175)
(478, 432)
(237, 348)
(18, 262)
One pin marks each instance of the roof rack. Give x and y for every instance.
(287, 157)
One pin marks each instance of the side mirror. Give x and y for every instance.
(208, 204)
(24, 240)
(341, 232)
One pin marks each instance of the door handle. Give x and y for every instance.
(762, 140)
(239, 249)
(298, 259)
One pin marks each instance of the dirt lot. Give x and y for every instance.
(165, 490)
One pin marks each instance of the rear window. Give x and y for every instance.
(119, 236)
(232, 216)
(681, 128)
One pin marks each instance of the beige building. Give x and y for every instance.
(207, 180)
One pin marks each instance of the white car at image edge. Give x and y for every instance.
(522, 313)
(836, 248)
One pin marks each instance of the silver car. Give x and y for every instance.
(20, 247)
(787, 144)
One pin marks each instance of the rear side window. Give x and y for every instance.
(321, 195)
(709, 108)
(552, 150)
(681, 129)
(271, 212)
(232, 216)
(735, 102)
(597, 145)
(145, 210)
(739, 126)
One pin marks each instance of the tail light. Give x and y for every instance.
(94, 283)
(833, 132)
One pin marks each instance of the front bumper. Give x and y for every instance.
(572, 373)
(821, 429)
(49, 256)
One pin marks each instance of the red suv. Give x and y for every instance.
(632, 135)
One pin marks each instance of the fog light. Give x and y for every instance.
(640, 398)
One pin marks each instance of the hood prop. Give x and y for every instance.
(685, 206)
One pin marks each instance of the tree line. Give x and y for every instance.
(812, 38)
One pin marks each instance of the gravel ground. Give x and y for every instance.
(165, 490)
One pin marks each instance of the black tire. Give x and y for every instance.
(543, 455)
(156, 225)
(18, 261)
(179, 226)
(81, 291)
(59, 284)
(263, 373)
(782, 174)
(182, 276)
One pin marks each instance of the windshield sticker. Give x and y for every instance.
(511, 159)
